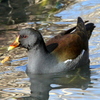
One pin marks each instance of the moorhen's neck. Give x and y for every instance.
(38, 47)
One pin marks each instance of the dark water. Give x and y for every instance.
(50, 17)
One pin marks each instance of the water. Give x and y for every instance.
(50, 17)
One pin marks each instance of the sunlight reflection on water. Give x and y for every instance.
(88, 10)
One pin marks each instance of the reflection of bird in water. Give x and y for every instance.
(42, 85)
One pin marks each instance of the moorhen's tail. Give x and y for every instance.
(83, 30)
(89, 28)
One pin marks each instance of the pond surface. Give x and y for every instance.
(50, 18)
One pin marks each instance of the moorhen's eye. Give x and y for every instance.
(23, 36)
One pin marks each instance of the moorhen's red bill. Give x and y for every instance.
(61, 53)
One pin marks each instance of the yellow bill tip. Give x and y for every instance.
(10, 48)
(14, 44)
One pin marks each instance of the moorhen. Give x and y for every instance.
(63, 52)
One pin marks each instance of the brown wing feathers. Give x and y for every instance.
(68, 45)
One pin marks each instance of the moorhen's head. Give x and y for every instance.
(27, 38)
